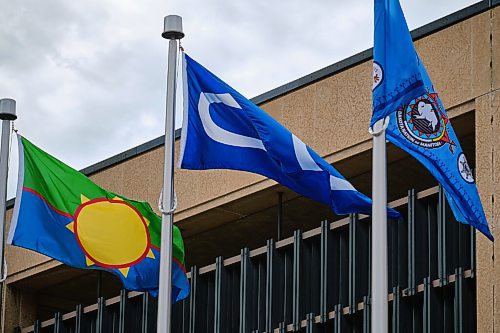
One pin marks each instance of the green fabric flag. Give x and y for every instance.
(63, 214)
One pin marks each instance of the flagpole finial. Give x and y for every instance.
(8, 109)
(172, 27)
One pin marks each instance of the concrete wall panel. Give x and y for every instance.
(495, 48)
(457, 60)
(488, 176)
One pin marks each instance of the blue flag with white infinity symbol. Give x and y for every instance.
(418, 122)
(224, 130)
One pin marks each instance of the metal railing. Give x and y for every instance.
(316, 281)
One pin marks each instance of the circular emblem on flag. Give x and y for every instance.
(111, 233)
(423, 123)
(464, 169)
(378, 75)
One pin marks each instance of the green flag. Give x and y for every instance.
(61, 213)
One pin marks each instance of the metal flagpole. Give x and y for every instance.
(379, 306)
(172, 31)
(7, 114)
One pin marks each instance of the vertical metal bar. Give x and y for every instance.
(192, 299)
(243, 290)
(379, 231)
(442, 237)
(78, 319)
(337, 323)
(473, 251)
(427, 305)
(99, 323)
(269, 284)
(282, 328)
(458, 304)
(145, 313)
(172, 31)
(310, 323)
(58, 323)
(297, 244)
(411, 242)
(280, 216)
(395, 309)
(335, 320)
(279, 289)
(219, 266)
(99, 281)
(261, 296)
(325, 228)
(7, 114)
(352, 263)
(430, 252)
(366, 315)
(287, 286)
(37, 327)
(123, 308)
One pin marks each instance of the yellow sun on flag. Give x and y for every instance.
(111, 233)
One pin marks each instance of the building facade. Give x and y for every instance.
(265, 259)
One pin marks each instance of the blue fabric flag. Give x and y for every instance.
(418, 122)
(224, 130)
(61, 213)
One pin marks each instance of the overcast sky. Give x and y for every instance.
(89, 76)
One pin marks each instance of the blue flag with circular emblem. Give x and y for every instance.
(418, 123)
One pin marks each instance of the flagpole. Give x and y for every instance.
(379, 306)
(173, 32)
(7, 114)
